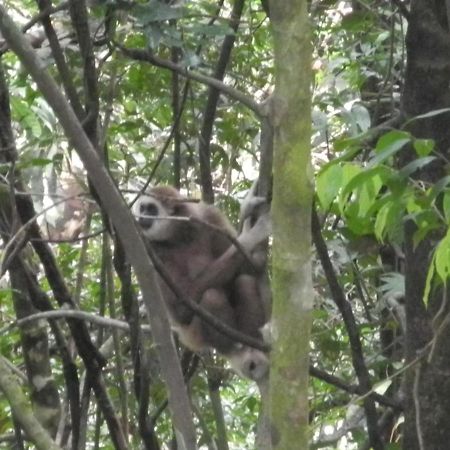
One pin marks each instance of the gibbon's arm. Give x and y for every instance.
(225, 268)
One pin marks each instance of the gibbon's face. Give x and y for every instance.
(150, 213)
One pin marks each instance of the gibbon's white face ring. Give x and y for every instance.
(153, 218)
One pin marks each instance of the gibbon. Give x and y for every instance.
(188, 238)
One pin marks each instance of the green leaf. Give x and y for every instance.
(361, 117)
(156, 11)
(329, 182)
(427, 115)
(438, 187)
(349, 172)
(35, 162)
(440, 264)
(446, 206)
(389, 221)
(430, 275)
(381, 221)
(417, 164)
(423, 147)
(427, 220)
(388, 145)
(442, 260)
(368, 193)
(366, 186)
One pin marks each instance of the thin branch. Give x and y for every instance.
(58, 55)
(147, 56)
(352, 329)
(162, 153)
(48, 11)
(80, 22)
(209, 112)
(352, 388)
(72, 314)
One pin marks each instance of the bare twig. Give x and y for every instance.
(71, 314)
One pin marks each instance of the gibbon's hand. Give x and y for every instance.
(253, 235)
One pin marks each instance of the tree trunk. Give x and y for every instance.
(427, 384)
(291, 208)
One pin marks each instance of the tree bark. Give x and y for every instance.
(291, 211)
(427, 384)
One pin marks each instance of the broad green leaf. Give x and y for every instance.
(394, 445)
(349, 171)
(442, 260)
(154, 35)
(361, 117)
(388, 145)
(357, 21)
(446, 206)
(426, 220)
(423, 147)
(417, 164)
(366, 186)
(351, 144)
(329, 182)
(389, 221)
(381, 220)
(368, 193)
(35, 162)
(387, 140)
(430, 275)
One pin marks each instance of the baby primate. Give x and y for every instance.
(187, 247)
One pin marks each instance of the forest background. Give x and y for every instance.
(194, 94)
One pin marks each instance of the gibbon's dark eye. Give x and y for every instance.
(145, 210)
(148, 209)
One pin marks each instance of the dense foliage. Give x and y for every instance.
(379, 167)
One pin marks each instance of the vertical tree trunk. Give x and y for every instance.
(427, 384)
(291, 209)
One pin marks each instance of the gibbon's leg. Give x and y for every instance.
(251, 316)
(245, 360)
(250, 311)
(216, 303)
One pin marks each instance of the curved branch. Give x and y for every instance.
(72, 314)
(145, 55)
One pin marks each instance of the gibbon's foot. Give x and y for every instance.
(250, 363)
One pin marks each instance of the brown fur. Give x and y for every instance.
(187, 248)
